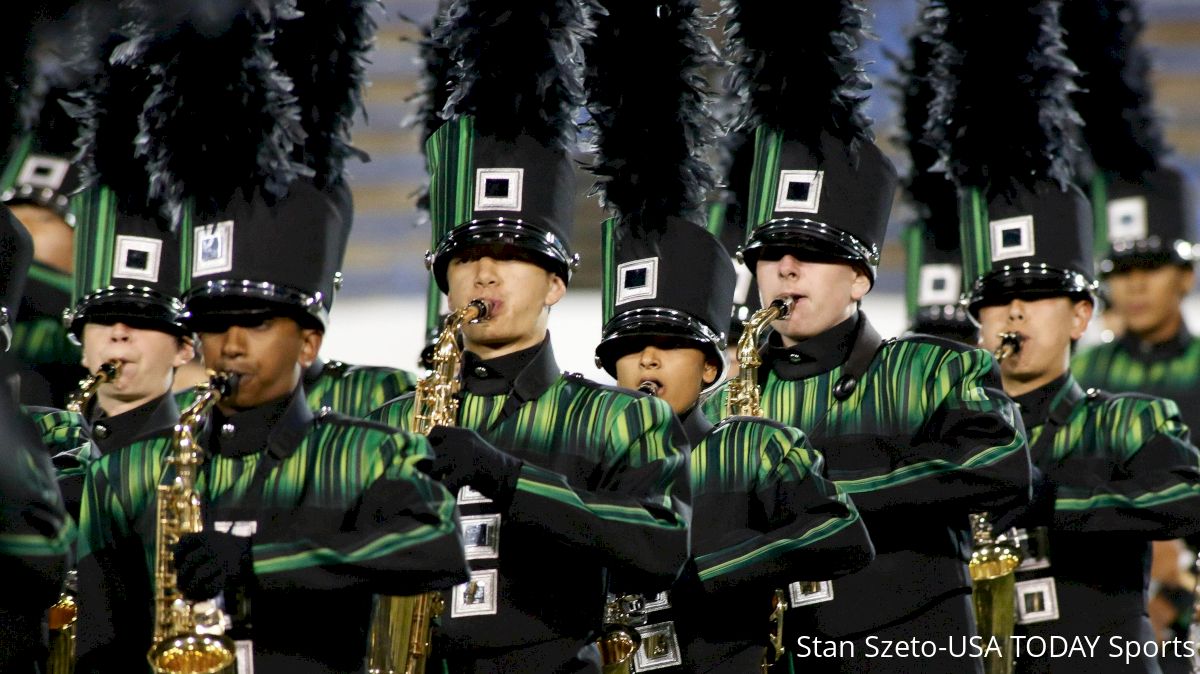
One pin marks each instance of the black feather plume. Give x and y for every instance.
(108, 103)
(324, 52)
(515, 66)
(220, 115)
(433, 91)
(1002, 114)
(1116, 99)
(795, 68)
(931, 192)
(648, 101)
(26, 32)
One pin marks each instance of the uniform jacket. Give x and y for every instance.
(923, 438)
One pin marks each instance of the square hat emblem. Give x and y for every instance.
(1012, 238)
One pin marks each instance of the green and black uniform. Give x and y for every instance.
(351, 390)
(1120, 472)
(43, 353)
(1168, 370)
(602, 489)
(919, 437)
(341, 511)
(35, 540)
(763, 516)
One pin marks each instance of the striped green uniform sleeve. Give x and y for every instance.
(60, 430)
(1145, 473)
(763, 510)
(639, 508)
(968, 450)
(358, 390)
(403, 526)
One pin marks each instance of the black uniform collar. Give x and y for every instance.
(277, 427)
(817, 354)
(695, 425)
(112, 433)
(526, 373)
(1147, 352)
(1037, 405)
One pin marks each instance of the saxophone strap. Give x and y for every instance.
(866, 344)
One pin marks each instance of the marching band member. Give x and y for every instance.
(913, 429)
(568, 478)
(1117, 471)
(300, 510)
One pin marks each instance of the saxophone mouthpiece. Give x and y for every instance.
(110, 370)
(482, 309)
(1010, 345)
(784, 305)
(225, 383)
(648, 387)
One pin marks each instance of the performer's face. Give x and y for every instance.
(519, 294)
(825, 293)
(1047, 328)
(680, 372)
(53, 238)
(1149, 299)
(148, 361)
(268, 355)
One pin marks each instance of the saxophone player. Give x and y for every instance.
(1117, 470)
(915, 429)
(569, 479)
(307, 515)
(763, 513)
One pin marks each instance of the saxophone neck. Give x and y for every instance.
(90, 385)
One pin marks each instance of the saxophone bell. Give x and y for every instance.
(1010, 345)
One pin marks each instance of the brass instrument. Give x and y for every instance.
(621, 639)
(743, 390)
(993, 564)
(745, 400)
(399, 641)
(64, 613)
(1010, 345)
(188, 635)
(89, 385)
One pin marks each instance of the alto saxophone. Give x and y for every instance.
(188, 636)
(993, 567)
(64, 613)
(400, 627)
(89, 385)
(745, 399)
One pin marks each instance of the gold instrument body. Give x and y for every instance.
(399, 641)
(187, 638)
(744, 396)
(744, 399)
(63, 614)
(993, 565)
(621, 639)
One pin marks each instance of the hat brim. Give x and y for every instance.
(247, 298)
(632, 330)
(811, 241)
(142, 308)
(1146, 254)
(219, 313)
(544, 248)
(1028, 282)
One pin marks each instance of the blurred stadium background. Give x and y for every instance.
(379, 316)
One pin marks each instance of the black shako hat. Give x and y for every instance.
(674, 281)
(126, 266)
(264, 255)
(16, 254)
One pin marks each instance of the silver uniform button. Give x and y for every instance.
(227, 430)
(795, 357)
(481, 372)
